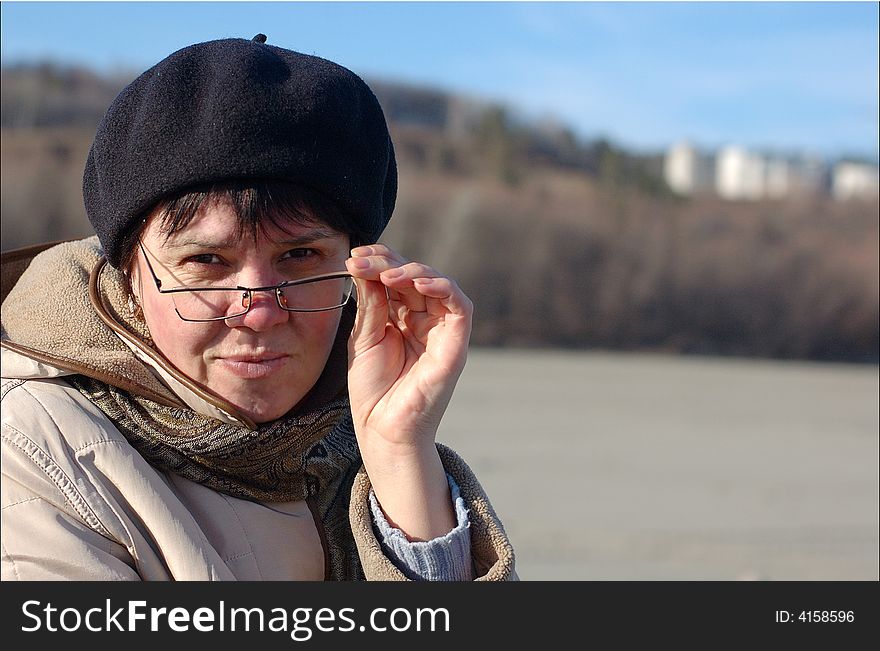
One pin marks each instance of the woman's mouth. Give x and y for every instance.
(253, 367)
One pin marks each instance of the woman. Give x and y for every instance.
(194, 393)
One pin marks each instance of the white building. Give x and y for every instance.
(687, 171)
(740, 174)
(777, 178)
(855, 181)
(807, 175)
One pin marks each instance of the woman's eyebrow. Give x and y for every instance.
(232, 242)
(189, 242)
(308, 238)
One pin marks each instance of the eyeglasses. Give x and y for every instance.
(315, 294)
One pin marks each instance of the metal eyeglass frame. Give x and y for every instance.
(250, 292)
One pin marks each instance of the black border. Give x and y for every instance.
(527, 614)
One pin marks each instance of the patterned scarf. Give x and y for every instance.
(283, 460)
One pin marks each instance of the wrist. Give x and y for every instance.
(413, 492)
(396, 457)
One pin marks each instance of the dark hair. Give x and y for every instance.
(257, 203)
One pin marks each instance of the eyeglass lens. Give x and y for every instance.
(314, 296)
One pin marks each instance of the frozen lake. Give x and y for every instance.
(614, 466)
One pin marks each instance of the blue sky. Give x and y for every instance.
(796, 77)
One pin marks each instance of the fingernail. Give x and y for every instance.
(360, 263)
(361, 251)
(392, 273)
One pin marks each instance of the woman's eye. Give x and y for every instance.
(300, 253)
(204, 258)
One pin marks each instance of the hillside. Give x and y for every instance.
(560, 243)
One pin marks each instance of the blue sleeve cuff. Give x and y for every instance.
(447, 558)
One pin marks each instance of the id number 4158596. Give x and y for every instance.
(815, 616)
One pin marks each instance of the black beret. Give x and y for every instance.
(239, 109)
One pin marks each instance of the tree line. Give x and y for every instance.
(560, 242)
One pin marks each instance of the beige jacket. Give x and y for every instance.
(80, 503)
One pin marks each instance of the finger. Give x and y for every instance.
(402, 304)
(445, 292)
(401, 284)
(370, 266)
(371, 317)
(379, 257)
(404, 274)
(447, 304)
(398, 309)
(380, 250)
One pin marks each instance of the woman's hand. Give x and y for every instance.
(406, 352)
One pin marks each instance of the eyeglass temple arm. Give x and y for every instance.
(150, 266)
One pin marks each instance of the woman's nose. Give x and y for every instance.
(264, 313)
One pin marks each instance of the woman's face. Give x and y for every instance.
(265, 361)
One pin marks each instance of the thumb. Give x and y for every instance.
(371, 317)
